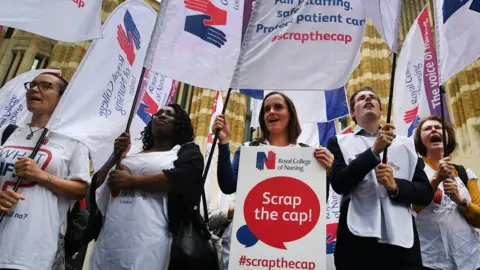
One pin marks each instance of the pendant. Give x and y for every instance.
(29, 136)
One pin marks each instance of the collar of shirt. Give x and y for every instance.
(268, 143)
(362, 132)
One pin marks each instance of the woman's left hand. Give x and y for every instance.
(120, 179)
(451, 190)
(324, 157)
(27, 168)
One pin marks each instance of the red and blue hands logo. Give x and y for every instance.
(129, 38)
(331, 237)
(202, 25)
(412, 117)
(147, 108)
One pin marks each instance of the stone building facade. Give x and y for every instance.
(22, 51)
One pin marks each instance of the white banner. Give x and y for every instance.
(13, 105)
(279, 218)
(199, 39)
(301, 45)
(457, 33)
(156, 95)
(416, 88)
(96, 106)
(65, 20)
(385, 15)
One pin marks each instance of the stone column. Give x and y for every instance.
(44, 62)
(14, 67)
(5, 65)
(28, 59)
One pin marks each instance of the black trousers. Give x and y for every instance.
(354, 252)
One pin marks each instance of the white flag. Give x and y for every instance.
(301, 45)
(158, 93)
(97, 103)
(458, 36)
(13, 106)
(199, 39)
(416, 88)
(385, 15)
(65, 20)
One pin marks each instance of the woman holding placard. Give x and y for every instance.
(280, 127)
(446, 231)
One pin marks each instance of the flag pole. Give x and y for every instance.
(212, 150)
(390, 101)
(442, 112)
(32, 156)
(132, 110)
(130, 118)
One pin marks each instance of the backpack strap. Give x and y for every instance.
(7, 132)
(462, 173)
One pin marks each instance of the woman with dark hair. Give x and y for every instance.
(146, 199)
(448, 239)
(279, 126)
(32, 231)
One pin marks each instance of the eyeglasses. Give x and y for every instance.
(42, 85)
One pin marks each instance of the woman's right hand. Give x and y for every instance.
(221, 123)
(8, 198)
(122, 145)
(445, 168)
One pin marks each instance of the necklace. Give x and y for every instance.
(29, 136)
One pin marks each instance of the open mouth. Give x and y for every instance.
(35, 99)
(273, 120)
(368, 105)
(436, 138)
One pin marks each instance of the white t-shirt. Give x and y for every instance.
(135, 231)
(29, 234)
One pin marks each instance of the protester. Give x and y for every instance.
(376, 228)
(32, 233)
(279, 126)
(448, 239)
(220, 215)
(157, 188)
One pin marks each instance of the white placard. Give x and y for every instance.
(279, 220)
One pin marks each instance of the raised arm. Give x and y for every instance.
(227, 171)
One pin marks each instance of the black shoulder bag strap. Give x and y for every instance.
(462, 173)
(7, 132)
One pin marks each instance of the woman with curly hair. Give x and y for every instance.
(145, 200)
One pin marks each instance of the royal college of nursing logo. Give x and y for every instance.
(411, 117)
(202, 25)
(129, 40)
(129, 37)
(266, 161)
(331, 237)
